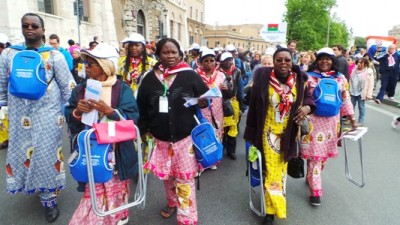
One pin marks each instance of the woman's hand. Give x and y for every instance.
(202, 102)
(102, 107)
(301, 114)
(223, 87)
(83, 107)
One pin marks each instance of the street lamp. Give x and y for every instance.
(165, 11)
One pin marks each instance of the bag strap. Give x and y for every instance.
(313, 74)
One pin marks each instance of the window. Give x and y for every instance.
(191, 12)
(201, 17)
(46, 6)
(197, 14)
(171, 29)
(86, 10)
(179, 31)
(191, 39)
(141, 23)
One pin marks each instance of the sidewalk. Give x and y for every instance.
(386, 100)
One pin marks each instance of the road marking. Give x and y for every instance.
(381, 110)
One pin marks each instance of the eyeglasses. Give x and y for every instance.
(33, 26)
(90, 64)
(281, 60)
(209, 60)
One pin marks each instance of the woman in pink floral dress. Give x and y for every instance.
(321, 143)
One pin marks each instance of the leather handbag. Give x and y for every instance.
(227, 107)
(296, 166)
(304, 127)
(115, 131)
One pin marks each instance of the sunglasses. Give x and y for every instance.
(281, 60)
(33, 26)
(90, 64)
(209, 60)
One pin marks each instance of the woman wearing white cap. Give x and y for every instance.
(213, 78)
(233, 82)
(321, 143)
(137, 63)
(116, 99)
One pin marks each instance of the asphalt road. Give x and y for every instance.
(223, 195)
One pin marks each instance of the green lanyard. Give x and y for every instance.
(165, 89)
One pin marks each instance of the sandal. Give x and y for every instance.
(168, 211)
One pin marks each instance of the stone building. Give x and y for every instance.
(245, 36)
(109, 20)
(58, 15)
(195, 19)
(395, 32)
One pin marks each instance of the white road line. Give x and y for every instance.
(381, 110)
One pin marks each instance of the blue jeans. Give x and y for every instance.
(361, 107)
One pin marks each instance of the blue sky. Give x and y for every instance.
(365, 17)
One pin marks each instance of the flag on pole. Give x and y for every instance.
(273, 27)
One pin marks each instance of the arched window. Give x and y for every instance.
(141, 23)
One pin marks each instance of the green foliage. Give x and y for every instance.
(360, 42)
(308, 24)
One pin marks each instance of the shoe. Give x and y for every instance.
(315, 200)
(198, 174)
(268, 219)
(232, 156)
(123, 221)
(4, 145)
(168, 211)
(377, 101)
(391, 98)
(213, 167)
(51, 214)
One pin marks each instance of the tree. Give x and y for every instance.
(360, 42)
(308, 22)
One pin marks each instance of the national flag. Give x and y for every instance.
(273, 27)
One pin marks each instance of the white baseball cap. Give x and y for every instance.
(207, 52)
(326, 50)
(135, 37)
(194, 46)
(225, 55)
(230, 48)
(103, 51)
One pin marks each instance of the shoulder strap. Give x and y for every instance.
(18, 47)
(41, 49)
(313, 74)
(115, 93)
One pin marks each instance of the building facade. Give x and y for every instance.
(97, 20)
(195, 13)
(108, 20)
(245, 36)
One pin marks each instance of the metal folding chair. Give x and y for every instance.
(140, 193)
(354, 136)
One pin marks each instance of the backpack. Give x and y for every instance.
(327, 96)
(28, 74)
(102, 157)
(207, 147)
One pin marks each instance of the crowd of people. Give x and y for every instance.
(148, 82)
